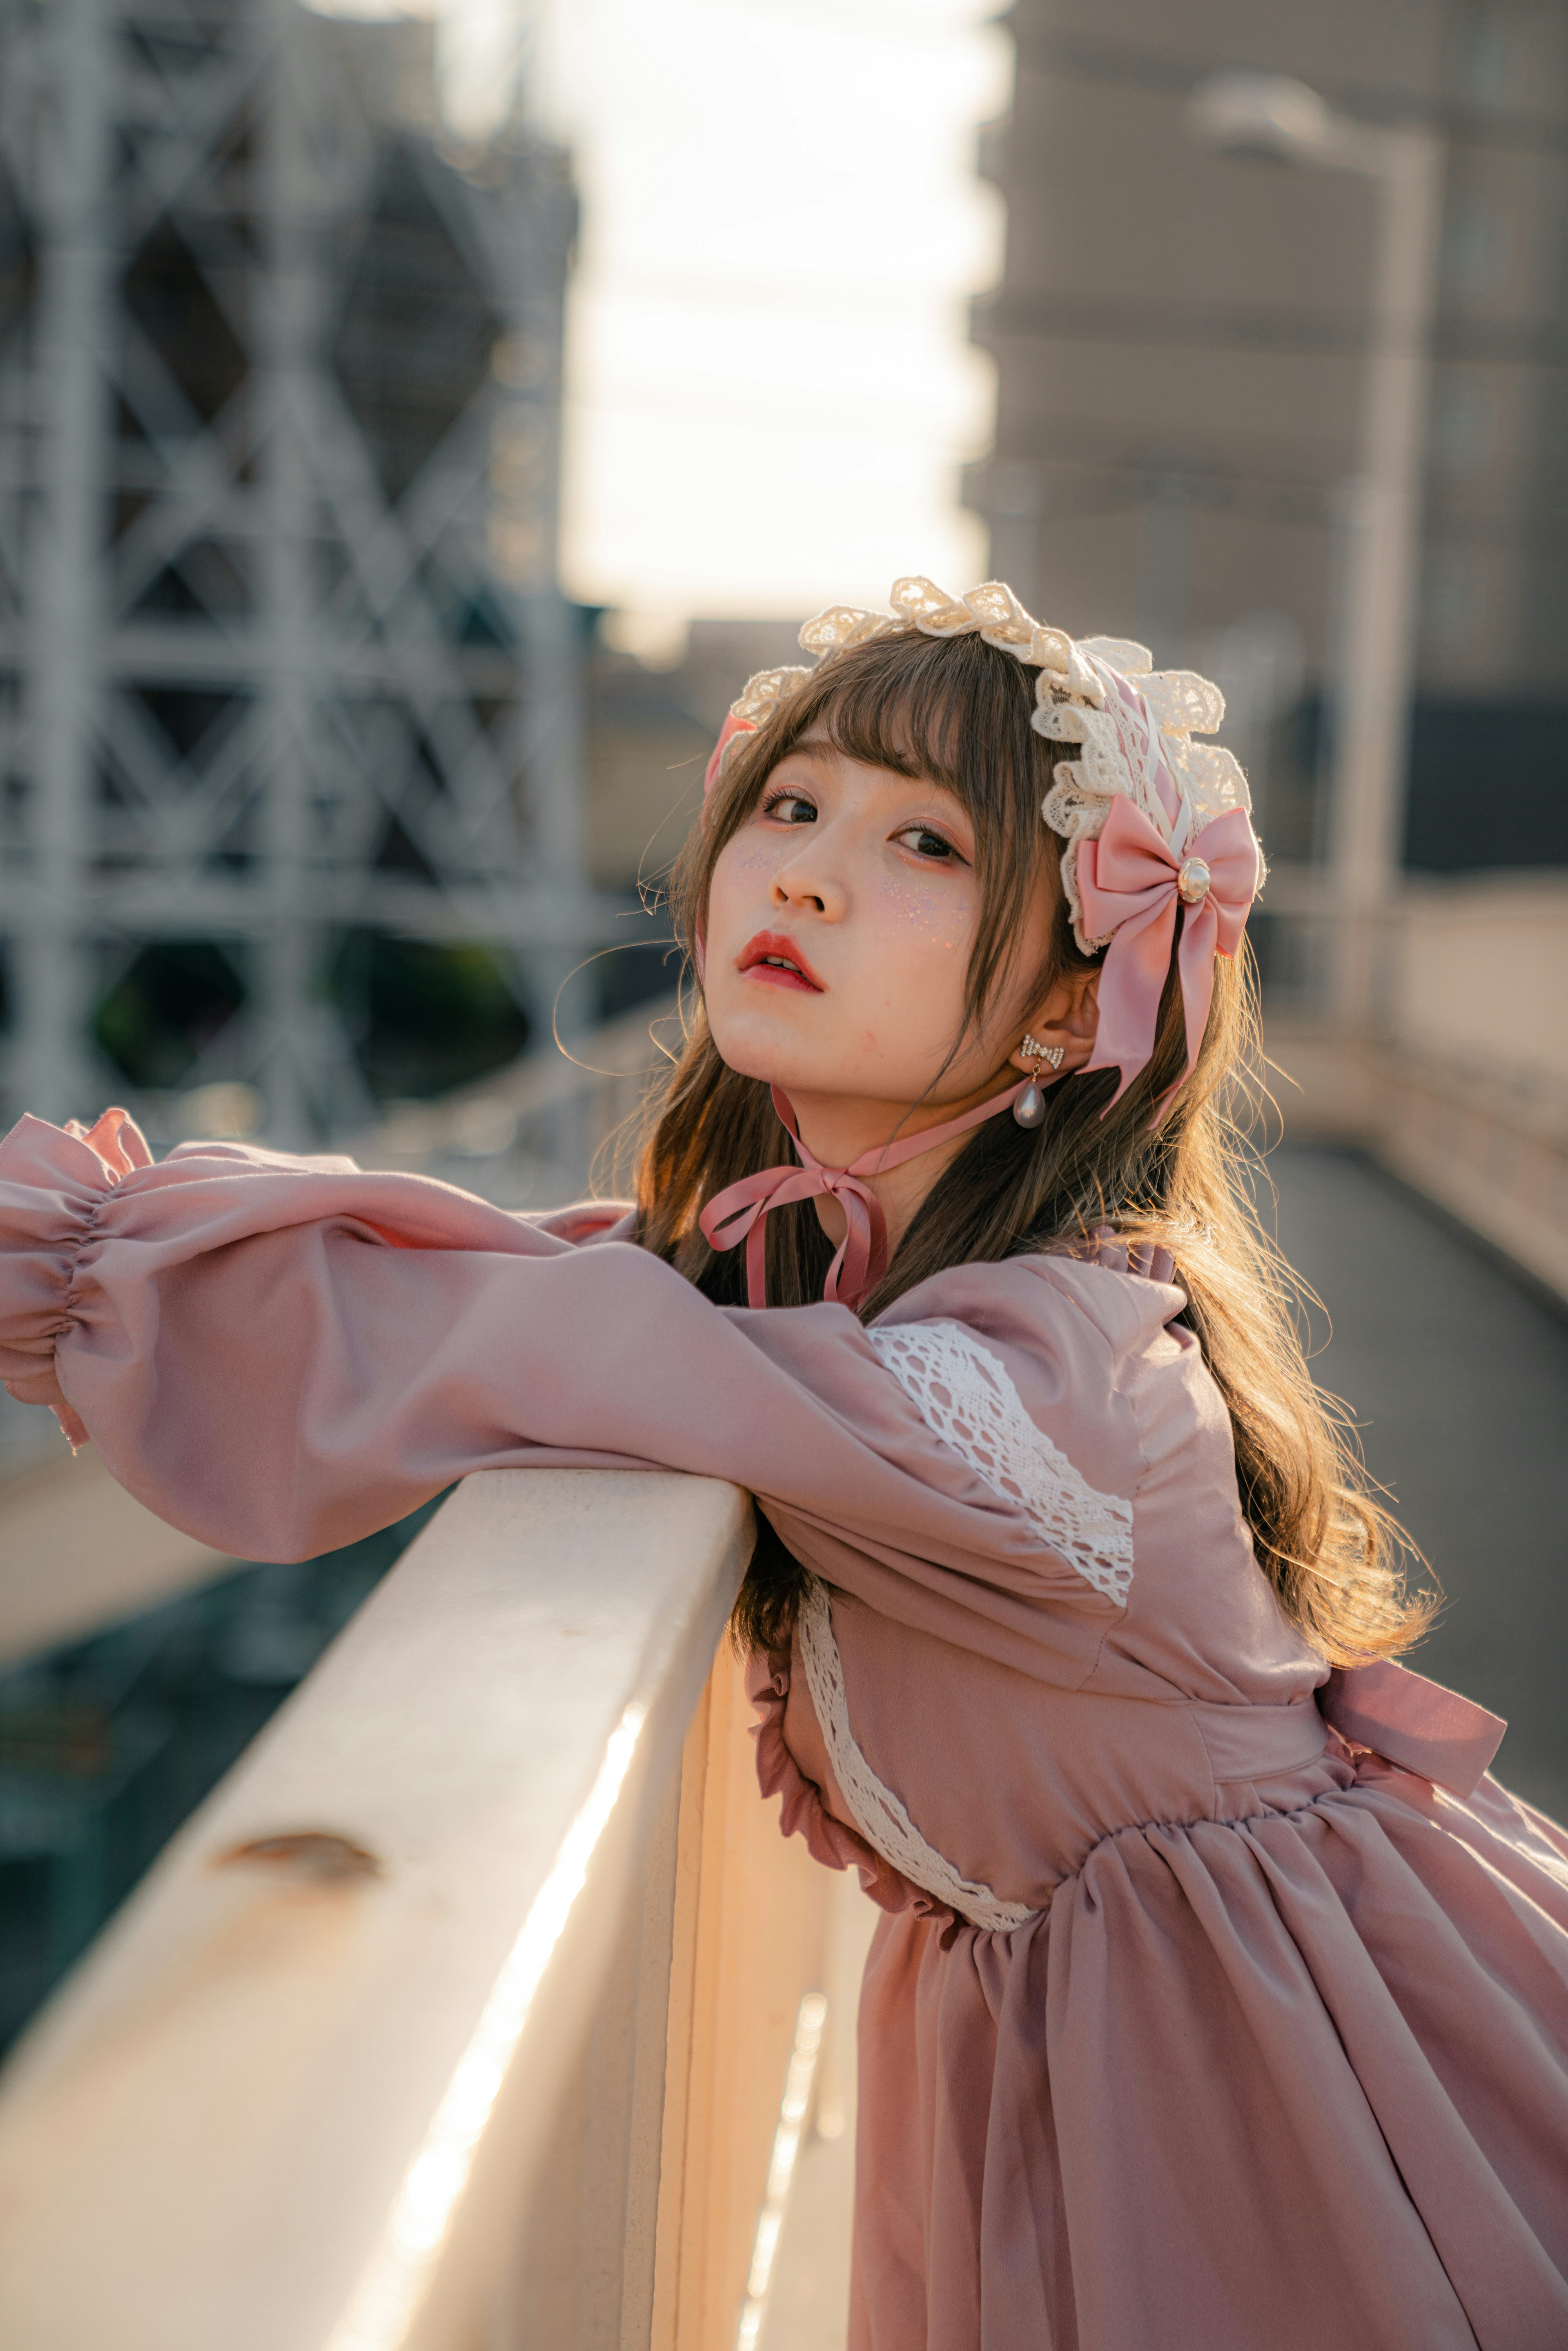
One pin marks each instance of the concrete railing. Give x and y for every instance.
(461, 2013)
(1463, 1092)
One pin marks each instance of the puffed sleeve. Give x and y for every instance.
(281, 1355)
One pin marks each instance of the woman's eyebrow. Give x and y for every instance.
(817, 753)
(883, 778)
(811, 747)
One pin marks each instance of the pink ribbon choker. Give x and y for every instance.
(737, 1213)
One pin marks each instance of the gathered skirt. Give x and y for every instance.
(1276, 2084)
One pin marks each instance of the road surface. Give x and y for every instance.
(1459, 1377)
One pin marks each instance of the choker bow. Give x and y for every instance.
(737, 1214)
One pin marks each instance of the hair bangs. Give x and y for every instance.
(954, 709)
(957, 710)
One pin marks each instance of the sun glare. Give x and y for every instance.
(770, 390)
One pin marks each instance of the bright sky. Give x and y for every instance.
(770, 390)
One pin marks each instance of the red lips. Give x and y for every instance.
(772, 958)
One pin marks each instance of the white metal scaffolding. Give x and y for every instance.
(282, 656)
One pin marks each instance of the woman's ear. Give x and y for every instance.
(1067, 1017)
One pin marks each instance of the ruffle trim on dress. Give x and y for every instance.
(803, 1814)
(1427, 1738)
(883, 1819)
(54, 1184)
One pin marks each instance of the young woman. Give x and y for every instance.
(1220, 2000)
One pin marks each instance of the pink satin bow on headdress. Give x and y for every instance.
(737, 1214)
(1130, 883)
(726, 734)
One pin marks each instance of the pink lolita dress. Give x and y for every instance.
(1219, 2005)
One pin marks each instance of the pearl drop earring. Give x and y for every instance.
(1029, 1108)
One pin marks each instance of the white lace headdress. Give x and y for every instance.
(1135, 724)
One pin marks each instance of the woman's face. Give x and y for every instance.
(840, 920)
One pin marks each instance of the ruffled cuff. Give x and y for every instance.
(54, 1182)
(803, 1814)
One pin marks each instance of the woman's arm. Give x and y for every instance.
(281, 1355)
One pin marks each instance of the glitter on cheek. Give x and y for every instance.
(942, 914)
(754, 852)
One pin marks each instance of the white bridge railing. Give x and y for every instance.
(459, 2017)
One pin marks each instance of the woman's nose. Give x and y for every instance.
(803, 884)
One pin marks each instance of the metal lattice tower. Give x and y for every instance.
(281, 651)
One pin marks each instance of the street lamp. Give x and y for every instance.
(1269, 118)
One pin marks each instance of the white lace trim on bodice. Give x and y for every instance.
(965, 1396)
(880, 1817)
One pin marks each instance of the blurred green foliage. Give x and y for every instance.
(425, 1017)
(421, 1016)
(165, 1007)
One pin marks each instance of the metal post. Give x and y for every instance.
(283, 955)
(552, 717)
(54, 1072)
(525, 492)
(1381, 576)
(1271, 116)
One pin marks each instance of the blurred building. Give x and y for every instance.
(289, 702)
(1179, 344)
(651, 728)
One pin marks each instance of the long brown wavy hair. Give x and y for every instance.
(957, 710)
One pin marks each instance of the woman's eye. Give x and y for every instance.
(792, 807)
(926, 843)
